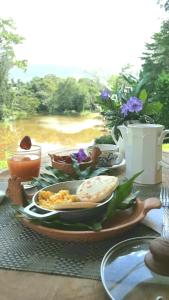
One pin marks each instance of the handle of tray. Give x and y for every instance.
(31, 213)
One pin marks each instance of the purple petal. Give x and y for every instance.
(134, 104)
(105, 94)
(124, 110)
(80, 155)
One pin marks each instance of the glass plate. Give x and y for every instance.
(125, 276)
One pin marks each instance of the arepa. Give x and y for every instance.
(97, 188)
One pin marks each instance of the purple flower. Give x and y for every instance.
(105, 94)
(134, 104)
(80, 155)
(125, 110)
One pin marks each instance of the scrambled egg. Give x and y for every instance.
(48, 200)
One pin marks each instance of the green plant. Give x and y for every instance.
(132, 102)
(52, 175)
(104, 139)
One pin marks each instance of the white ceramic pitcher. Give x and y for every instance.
(121, 142)
(143, 151)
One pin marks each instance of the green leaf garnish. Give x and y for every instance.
(122, 198)
(121, 193)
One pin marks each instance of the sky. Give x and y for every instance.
(89, 34)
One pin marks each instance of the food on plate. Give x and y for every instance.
(49, 200)
(61, 200)
(65, 162)
(26, 143)
(91, 192)
(97, 188)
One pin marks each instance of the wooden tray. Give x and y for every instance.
(119, 224)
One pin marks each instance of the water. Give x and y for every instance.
(52, 132)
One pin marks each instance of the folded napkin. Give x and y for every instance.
(154, 219)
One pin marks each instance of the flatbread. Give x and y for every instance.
(75, 205)
(97, 188)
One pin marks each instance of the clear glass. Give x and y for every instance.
(25, 164)
(126, 277)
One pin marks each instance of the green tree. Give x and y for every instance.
(24, 103)
(44, 89)
(68, 97)
(89, 88)
(156, 69)
(8, 39)
(164, 4)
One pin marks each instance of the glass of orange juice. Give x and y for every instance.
(25, 164)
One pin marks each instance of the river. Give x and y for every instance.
(52, 132)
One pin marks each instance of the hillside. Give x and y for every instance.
(42, 70)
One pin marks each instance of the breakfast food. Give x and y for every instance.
(61, 200)
(64, 163)
(90, 192)
(49, 200)
(97, 188)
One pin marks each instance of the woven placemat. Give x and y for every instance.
(23, 249)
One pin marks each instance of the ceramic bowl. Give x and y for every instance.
(109, 155)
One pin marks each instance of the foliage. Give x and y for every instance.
(104, 139)
(51, 175)
(121, 199)
(43, 89)
(155, 57)
(49, 95)
(164, 4)
(54, 95)
(132, 102)
(156, 68)
(8, 39)
(69, 97)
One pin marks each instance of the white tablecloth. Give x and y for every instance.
(154, 219)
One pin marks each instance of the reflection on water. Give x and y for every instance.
(54, 132)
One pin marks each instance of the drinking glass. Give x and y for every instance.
(25, 164)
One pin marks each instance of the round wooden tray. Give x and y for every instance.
(120, 223)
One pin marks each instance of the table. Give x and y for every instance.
(19, 285)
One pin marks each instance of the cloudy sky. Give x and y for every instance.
(91, 34)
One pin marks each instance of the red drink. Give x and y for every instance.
(25, 163)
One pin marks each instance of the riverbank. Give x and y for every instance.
(51, 133)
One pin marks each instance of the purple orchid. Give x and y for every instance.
(80, 155)
(105, 94)
(134, 104)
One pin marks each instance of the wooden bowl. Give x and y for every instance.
(119, 224)
(64, 162)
